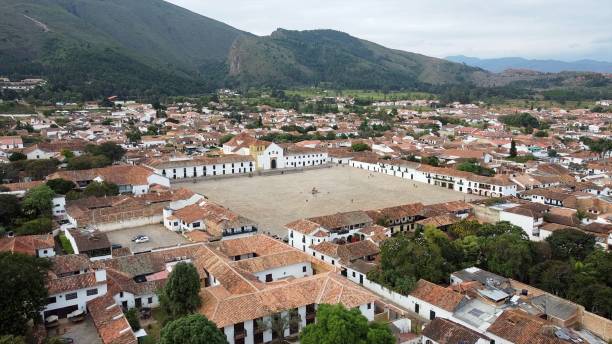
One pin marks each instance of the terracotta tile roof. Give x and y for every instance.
(271, 261)
(445, 208)
(225, 309)
(439, 220)
(259, 244)
(521, 328)
(72, 283)
(117, 174)
(25, 186)
(168, 162)
(70, 263)
(444, 331)
(340, 220)
(27, 244)
(235, 280)
(108, 318)
(303, 226)
(347, 252)
(436, 295)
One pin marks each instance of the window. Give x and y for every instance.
(71, 296)
(150, 300)
(121, 294)
(269, 278)
(304, 268)
(51, 299)
(369, 306)
(432, 315)
(416, 308)
(91, 292)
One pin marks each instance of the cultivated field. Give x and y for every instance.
(273, 201)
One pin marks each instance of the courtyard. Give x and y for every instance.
(275, 200)
(158, 235)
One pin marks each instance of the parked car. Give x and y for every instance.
(116, 246)
(142, 239)
(66, 340)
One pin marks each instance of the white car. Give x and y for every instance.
(142, 239)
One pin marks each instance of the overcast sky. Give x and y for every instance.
(560, 29)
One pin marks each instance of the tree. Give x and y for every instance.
(464, 228)
(101, 189)
(17, 156)
(225, 138)
(9, 209)
(192, 329)
(67, 153)
(61, 186)
(508, 254)
(87, 161)
(132, 318)
(280, 323)
(39, 169)
(552, 153)
(134, 135)
(405, 260)
(180, 295)
(41, 225)
(38, 201)
(111, 150)
(553, 276)
(24, 294)
(337, 325)
(571, 243)
(430, 160)
(513, 151)
(360, 147)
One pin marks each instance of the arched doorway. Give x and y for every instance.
(273, 163)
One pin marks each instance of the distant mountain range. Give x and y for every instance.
(498, 65)
(91, 48)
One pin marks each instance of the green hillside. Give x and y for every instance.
(146, 48)
(292, 58)
(113, 45)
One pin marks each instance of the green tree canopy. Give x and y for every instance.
(17, 156)
(180, 295)
(554, 276)
(405, 260)
(192, 329)
(337, 325)
(225, 138)
(88, 161)
(571, 243)
(101, 189)
(9, 209)
(360, 147)
(508, 254)
(24, 294)
(40, 225)
(61, 186)
(111, 150)
(38, 201)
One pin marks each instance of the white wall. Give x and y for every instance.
(295, 270)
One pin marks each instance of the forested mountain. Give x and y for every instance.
(107, 46)
(498, 65)
(88, 49)
(325, 56)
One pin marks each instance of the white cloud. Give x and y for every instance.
(564, 29)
